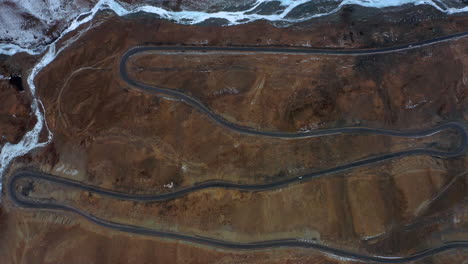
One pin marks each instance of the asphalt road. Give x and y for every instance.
(292, 242)
(260, 245)
(460, 150)
(276, 134)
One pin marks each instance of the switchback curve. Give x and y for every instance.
(207, 241)
(281, 50)
(246, 130)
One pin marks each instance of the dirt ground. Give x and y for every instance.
(109, 134)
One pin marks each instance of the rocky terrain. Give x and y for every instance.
(106, 133)
(15, 111)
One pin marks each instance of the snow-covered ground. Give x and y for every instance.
(33, 23)
(35, 26)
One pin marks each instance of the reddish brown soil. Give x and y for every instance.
(114, 136)
(15, 112)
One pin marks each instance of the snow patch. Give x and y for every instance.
(169, 98)
(340, 258)
(410, 104)
(169, 185)
(456, 219)
(310, 127)
(372, 236)
(11, 49)
(228, 90)
(66, 170)
(310, 241)
(26, 22)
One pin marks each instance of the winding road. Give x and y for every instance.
(260, 245)
(460, 150)
(250, 131)
(292, 242)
